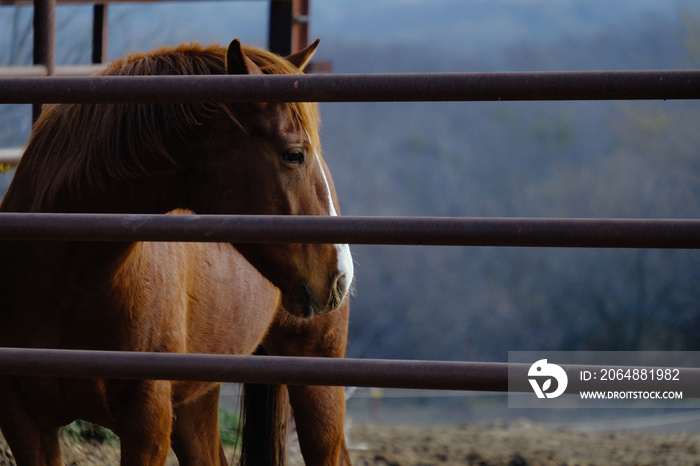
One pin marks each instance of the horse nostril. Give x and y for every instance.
(310, 308)
(342, 285)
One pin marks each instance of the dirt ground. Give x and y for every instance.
(516, 444)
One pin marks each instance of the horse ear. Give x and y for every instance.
(302, 58)
(237, 62)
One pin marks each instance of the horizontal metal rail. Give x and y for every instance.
(10, 155)
(590, 85)
(92, 2)
(435, 375)
(523, 232)
(42, 70)
(255, 369)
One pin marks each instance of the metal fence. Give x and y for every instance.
(417, 87)
(288, 32)
(650, 233)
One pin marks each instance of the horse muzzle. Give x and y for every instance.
(340, 288)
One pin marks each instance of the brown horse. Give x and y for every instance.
(209, 158)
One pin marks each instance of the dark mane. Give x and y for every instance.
(73, 145)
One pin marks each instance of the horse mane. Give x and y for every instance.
(78, 145)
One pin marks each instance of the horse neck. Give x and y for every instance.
(152, 194)
(157, 193)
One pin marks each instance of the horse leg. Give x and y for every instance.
(34, 447)
(319, 412)
(145, 423)
(195, 437)
(30, 444)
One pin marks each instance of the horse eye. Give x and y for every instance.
(296, 155)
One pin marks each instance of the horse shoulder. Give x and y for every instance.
(230, 304)
(148, 302)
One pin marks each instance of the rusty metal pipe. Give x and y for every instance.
(255, 369)
(523, 232)
(100, 34)
(44, 51)
(434, 375)
(44, 24)
(588, 85)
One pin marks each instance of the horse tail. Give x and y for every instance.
(265, 417)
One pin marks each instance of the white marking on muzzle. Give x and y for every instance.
(345, 265)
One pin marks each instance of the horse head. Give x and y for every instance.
(210, 157)
(265, 159)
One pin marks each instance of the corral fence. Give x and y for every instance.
(477, 376)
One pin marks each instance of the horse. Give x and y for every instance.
(178, 159)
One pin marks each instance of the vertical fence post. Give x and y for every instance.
(44, 40)
(99, 33)
(300, 24)
(280, 33)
